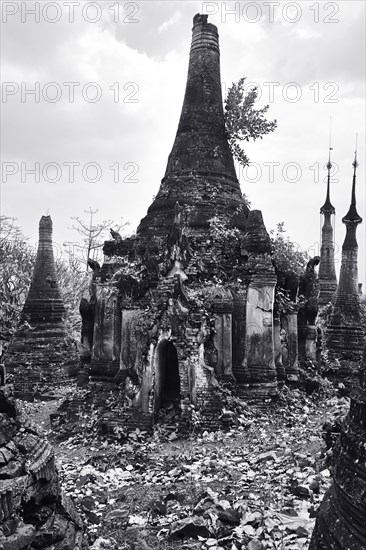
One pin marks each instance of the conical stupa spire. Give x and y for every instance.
(40, 351)
(352, 214)
(327, 206)
(200, 171)
(44, 282)
(200, 144)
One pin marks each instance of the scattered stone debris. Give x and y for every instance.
(34, 512)
(257, 483)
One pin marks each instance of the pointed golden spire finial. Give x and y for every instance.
(329, 164)
(327, 207)
(352, 216)
(355, 163)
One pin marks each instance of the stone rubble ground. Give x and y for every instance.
(256, 486)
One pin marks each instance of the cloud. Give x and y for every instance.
(137, 58)
(170, 22)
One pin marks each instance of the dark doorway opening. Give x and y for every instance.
(167, 377)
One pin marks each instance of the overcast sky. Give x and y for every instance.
(126, 65)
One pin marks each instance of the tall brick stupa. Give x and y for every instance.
(40, 352)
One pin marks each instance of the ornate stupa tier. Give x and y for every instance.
(345, 334)
(200, 172)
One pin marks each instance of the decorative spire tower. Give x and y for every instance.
(40, 351)
(327, 274)
(345, 337)
(200, 170)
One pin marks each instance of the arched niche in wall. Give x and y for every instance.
(167, 380)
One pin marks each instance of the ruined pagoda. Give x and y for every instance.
(345, 334)
(327, 274)
(341, 519)
(40, 352)
(187, 303)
